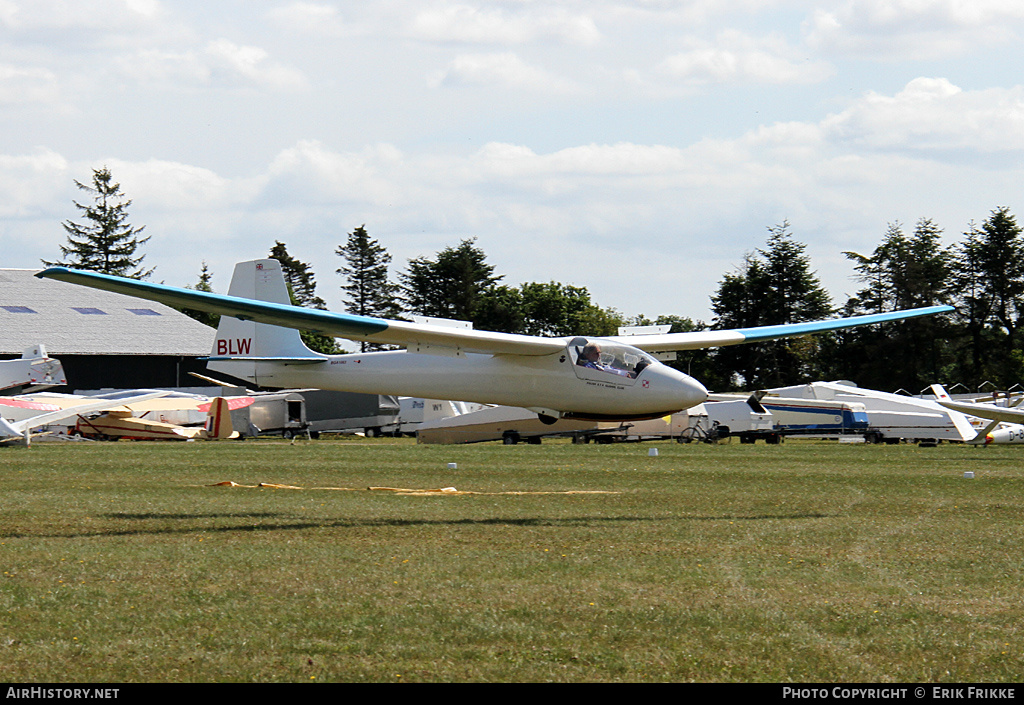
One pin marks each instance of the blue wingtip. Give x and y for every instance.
(49, 272)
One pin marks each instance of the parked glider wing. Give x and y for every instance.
(986, 411)
(19, 428)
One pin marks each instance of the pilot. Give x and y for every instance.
(590, 357)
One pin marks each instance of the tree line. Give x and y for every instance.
(981, 275)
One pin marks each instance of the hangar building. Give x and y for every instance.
(101, 338)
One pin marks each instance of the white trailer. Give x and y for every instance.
(328, 411)
(742, 417)
(891, 417)
(414, 411)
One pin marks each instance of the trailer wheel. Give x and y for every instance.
(510, 438)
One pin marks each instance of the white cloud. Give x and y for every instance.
(103, 15)
(309, 18)
(472, 24)
(588, 160)
(221, 63)
(172, 186)
(737, 58)
(933, 114)
(918, 29)
(311, 173)
(31, 185)
(251, 64)
(163, 67)
(504, 70)
(20, 85)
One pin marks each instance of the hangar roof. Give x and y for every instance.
(70, 320)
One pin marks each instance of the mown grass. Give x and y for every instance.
(802, 562)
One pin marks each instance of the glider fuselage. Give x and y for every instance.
(542, 382)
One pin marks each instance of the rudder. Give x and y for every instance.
(260, 280)
(218, 419)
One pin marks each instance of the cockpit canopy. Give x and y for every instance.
(599, 359)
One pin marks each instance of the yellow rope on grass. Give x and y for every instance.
(401, 490)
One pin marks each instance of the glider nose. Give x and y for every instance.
(691, 391)
(682, 390)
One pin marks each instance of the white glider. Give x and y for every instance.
(611, 378)
(1006, 421)
(35, 369)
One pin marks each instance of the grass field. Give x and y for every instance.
(809, 561)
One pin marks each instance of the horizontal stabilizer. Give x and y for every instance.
(282, 360)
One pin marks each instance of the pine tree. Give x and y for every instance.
(204, 317)
(299, 277)
(904, 271)
(792, 290)
(450, 286)
(108, 243)
(775, 285)
(302, 290)
(369, 291)
(989, 275)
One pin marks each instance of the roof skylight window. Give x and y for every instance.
(89, 311)
(17, 309)
(143, 312)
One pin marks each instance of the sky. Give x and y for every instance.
(638, 149)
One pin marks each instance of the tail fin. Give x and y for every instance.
(218, 420)
(9, 430)
(238, 340)
(981, 437)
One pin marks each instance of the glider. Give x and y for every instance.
(124, 424)
(52, 413)
(34, 370)
(612, 378)
(1005, 425)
